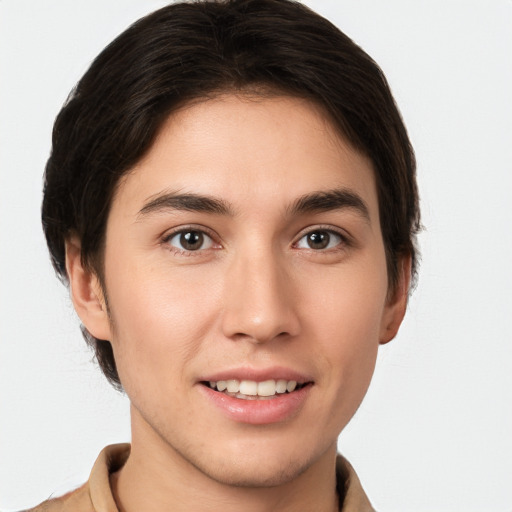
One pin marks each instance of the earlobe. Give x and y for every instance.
(86, 293)
(396, 303)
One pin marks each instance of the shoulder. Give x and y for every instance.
(95, 494)
(78, 500)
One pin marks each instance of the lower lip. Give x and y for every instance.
(258, 412)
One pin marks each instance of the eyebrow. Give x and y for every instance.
(323, 201)
(314, 202)
(187, 202)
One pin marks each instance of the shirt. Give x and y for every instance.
(96, 495)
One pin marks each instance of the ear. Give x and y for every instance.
(86, 293)
(396, 303)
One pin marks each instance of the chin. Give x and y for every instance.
(257, 472)
(264, 461)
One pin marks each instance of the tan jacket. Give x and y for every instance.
(96, 495)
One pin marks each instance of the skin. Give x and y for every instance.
(255, 294)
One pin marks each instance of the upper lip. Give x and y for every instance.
(258, 374)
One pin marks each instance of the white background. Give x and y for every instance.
(435, 431)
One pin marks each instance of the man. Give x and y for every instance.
(231, 197)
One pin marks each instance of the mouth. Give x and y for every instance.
(254, 390)
(257, 396)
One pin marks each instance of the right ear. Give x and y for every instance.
(86, 293)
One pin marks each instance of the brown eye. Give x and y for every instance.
(191, 240)
(320, 239)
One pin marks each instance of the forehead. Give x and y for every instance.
(249, 151)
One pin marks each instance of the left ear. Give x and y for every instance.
(396, 303)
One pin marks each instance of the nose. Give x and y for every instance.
(259, 299)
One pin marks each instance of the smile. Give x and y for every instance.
(253, 390)
(257, 396)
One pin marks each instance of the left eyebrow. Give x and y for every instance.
(326, 200)
(185, 202)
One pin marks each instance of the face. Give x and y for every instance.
(247, 288)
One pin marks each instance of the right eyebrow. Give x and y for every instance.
(186, 202)
(328, 200)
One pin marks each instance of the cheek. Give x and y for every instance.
(346, 313)
(350, 340)
(159, 321)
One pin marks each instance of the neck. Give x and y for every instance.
(156, 469)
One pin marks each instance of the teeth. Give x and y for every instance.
(233, 386)
(281, 386)
(248, 387)
(290, 386)
(266, 388)
(252, 388)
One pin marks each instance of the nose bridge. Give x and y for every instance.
(259, 302)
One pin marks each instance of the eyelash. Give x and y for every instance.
(343, 243)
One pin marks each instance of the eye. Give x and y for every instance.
(190, 240)
(320, 239)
